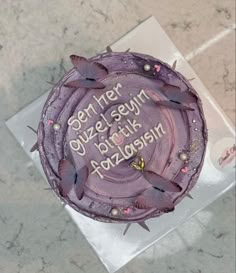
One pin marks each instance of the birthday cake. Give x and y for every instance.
(122, 137)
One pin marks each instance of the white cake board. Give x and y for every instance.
(114, 249)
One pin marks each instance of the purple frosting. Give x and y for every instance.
(174, 150)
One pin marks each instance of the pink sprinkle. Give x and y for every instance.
(158, 67)
(127, 211)
(50, 122)
(184, 169)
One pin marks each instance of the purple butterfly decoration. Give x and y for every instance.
(152, 198)
(71, 179)
(81, 179)
(173, 93)
(167, 103)
(155, 196)
(159, 182)
(173, 105)
(90, 72)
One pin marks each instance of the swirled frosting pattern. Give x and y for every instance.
(106, 129)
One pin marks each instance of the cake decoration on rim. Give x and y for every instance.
(122, 137)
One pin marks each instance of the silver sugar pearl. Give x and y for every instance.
(147, 67)
(56, 126)
(195, 129)
(194, 121)
(114, 212)
(183, 156)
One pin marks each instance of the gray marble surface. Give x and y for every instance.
(36, 38)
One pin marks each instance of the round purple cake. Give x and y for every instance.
(122, 137)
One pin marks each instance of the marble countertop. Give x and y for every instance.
(36, 38)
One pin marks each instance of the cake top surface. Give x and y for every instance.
(122, 137)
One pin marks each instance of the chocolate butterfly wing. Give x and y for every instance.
(85, 84)
(160, 182)
(32, 129)
(88, 69)
(174, 65)
(144, 225)
(152, 198)
(67, 174)
(82, 176)
(126, 228)
(35, 147)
